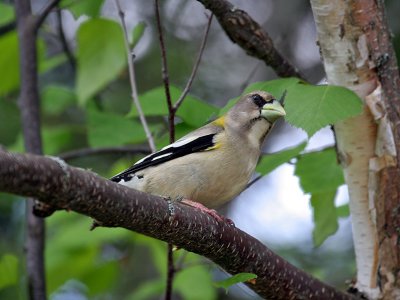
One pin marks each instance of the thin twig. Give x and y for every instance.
(45, 12)
(165, 76)
(64, 42)
(171, 123)
(170, 272)
(132, 78)
(196, 65)
(73, 154)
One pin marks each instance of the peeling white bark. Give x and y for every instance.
(346, 60)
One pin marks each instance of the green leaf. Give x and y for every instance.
(90, 8)
(343, 211)
(193, 111)
(47, 64)
(325, 218)
(8, 270)
(9, 61)
(320, 175)
(238, 278)
(57, 139)
(319, 171)
(100, 54)
(10, 117)
(195, 283)
(84, 249)
(148, 290)
(137, 33)
(275, 87)
(314, 107)
(106, 129)
(271, 161)
(7, 14)
(311, 107)
(55, 99)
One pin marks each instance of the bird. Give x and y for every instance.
(214, 163)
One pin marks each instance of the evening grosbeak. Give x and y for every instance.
(214, 163)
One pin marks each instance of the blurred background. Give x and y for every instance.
(115, 263)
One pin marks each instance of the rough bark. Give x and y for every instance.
(249, 35)
(57, 184)
(357, 53)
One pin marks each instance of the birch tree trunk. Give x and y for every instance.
(355, 45)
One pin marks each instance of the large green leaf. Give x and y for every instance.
(319, 171)
(106, 129)
(325, 218)
(320, 175)
(271, 161)
(78, 8)
(192, 111)
(8, 270)
(314, 107)
(308, 106)
(101, 56)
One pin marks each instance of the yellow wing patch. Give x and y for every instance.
(216, 146)
(219, 122)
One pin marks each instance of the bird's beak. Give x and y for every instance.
(272, 111)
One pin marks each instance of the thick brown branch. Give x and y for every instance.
(249, 35)
(65, 187)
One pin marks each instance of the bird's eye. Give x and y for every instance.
(270, 100)
(258, 100)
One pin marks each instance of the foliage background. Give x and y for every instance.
(88, 105)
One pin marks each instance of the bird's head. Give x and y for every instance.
(256, 105)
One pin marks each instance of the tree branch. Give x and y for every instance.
(112, 205)
(44, 13)
(64, 42)
(196, 65)
(249, 35)
(132, 78)
(165, 75)
(30, 115)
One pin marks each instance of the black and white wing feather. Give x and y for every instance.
(180, 148)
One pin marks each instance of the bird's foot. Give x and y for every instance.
(213, 213)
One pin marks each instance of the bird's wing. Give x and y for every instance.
(186, 145)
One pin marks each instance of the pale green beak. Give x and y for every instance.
(273, 111)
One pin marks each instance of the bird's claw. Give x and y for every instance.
(213, 213)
